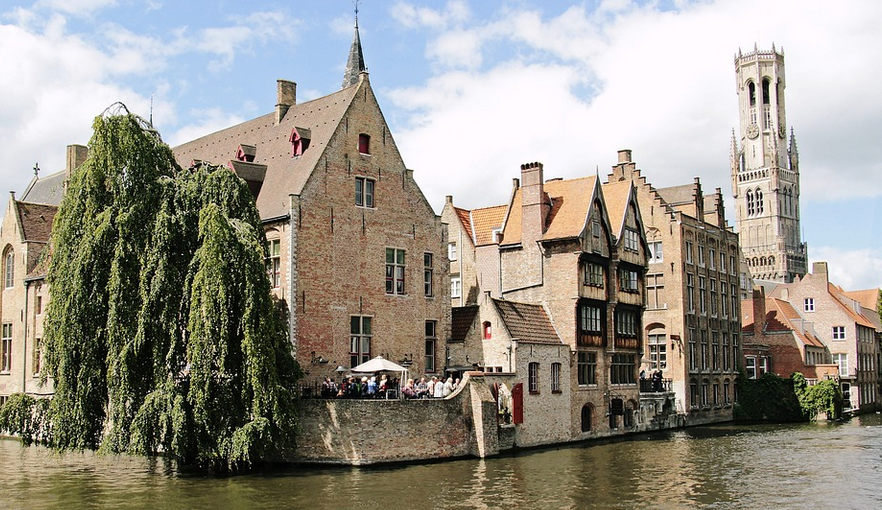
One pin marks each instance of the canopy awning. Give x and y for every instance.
(379, 364)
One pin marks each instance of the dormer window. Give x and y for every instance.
(246, 153)
(364, 144)
(299, 141)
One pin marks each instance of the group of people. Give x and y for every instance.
(656, 378)
(370, 387)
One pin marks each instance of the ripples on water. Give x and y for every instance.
(816, 465)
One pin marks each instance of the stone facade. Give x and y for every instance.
(691, 321)
(765, 171)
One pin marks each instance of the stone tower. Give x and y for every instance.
(765, 171)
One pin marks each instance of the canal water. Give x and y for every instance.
(805, 466)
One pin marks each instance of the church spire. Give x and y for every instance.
(355, 65)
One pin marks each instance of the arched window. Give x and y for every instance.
(9, 269)
(767, 110)
(587, 417)
(488, 331)
(759, 201)
(766, 98)
(751, 207)
(751, 91)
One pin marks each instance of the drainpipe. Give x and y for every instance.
(24, 343)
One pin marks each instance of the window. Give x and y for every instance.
(702, 295)
(632, 240)
(555, 377)
(38, 355)
(750, 367)
(655, 252)
(622, 369)
(763, 367)
(273, 263)
(586, 366)
(726, 356)
(359, 340)
(9, 270)
(364, 192)
(689, 252)
(690, 292)
(658, 355)
(846, 395)
(716, 388)
(628, 280)
(693, 394)
(724, 301)
(655, 291)
(808, 304)
(533, 377)
(595, 228)
(38, 306)
(841, 359)
(431, 342)
(590, 319)
(701, 256)
(732, 266)
(715, 350)
(704, 388)
(693, 359)
(736, 310)
(6, 349)
(451, 251)
(394, 271)
(704, 350)
(428, 275)
(593, 274)
(487, 330)
(364, 144)
(626, 323)
(727, 398)
(713, 297)
(722, 262)
(455, 287)
(735, 349)
(713, 259)
(751, 206)
(838, 332)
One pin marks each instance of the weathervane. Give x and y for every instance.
(355, 3)
(36, 169)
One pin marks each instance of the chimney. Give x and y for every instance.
(820, 269)
(533, 209)
(76, 156)
(624, 156)
(759, 310)
(286, 97)
(448, 199)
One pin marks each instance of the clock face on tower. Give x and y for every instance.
(752, 131)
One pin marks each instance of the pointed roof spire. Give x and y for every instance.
(355, 64)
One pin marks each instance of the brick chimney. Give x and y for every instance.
(759, 310)
(533, 207)
(286, 97)
(76, 156)
(820, 269)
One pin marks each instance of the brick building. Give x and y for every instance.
(576, 250)
(692, 322)
(355, 249)
(842, 324)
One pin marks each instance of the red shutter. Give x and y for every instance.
(517, 399)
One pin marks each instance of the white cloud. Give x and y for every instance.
(453, 13)
(75, 7)
(850, 269)
(203, 122)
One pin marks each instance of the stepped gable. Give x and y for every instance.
(285, 173)
(527, 322)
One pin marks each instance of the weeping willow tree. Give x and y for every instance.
(161, 335)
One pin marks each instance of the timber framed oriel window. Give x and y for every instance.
(593, 274)
(360, 334)
(364, 192)
(632, 240)
(395, 271)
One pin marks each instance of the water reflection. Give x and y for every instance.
(780, 467)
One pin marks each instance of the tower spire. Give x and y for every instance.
(355, 64)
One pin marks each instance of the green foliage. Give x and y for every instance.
(769, 398)
(25, 416)
(824, 396)
(161, 334)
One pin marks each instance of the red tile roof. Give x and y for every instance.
(485, 220)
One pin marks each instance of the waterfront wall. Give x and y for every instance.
(360, 432)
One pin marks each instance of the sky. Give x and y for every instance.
(472, 89)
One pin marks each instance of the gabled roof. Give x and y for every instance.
(484, 221)
(463, 319)
(285, 174)
(780, 317)
(36, 220)
(465, 220)
(867, 298)
(527, 322)
(45, 190)
(615, 196)
(844, 302)
(570, 205)
(677, 195)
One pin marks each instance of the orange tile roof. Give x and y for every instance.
(570, 205)
(485, 220)
(465, 220)
(615, 195)
(840, 296)
(779, 317)
(867, 298)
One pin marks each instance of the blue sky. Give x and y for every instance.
(472, 89)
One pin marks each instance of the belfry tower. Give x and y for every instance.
(765, 171)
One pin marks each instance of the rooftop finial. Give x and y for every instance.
(36, 169)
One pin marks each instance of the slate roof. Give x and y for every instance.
(284, 174)
(45, 190)
(570, 205)
(527, 322)
(36, 220)
(463, 319)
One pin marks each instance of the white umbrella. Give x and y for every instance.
(381, 364)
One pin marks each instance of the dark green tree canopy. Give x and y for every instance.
(161, 335)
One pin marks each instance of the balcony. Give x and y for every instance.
(656, 385)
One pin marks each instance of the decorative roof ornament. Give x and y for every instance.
(355, 65)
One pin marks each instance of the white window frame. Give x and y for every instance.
(808, 304)
(456, 287)
(839, 333)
